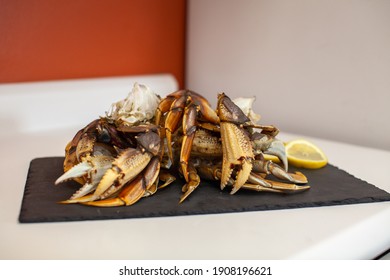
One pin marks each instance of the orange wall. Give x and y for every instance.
(45, 40)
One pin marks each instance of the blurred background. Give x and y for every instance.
(67, 39)
(317, 68)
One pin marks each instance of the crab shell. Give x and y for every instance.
(139, 106)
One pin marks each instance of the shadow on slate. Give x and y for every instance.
(329, 186)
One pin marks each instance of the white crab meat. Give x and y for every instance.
(245, 104)
(139, 106)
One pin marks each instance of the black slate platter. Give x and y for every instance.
(329, 186)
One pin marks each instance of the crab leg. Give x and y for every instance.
(126, 167)
(236, 145)
(76, 171)
(85, 146)
(259, 183)
(192, 183)
(93, 169)
(135, 189)
(163, 107)
(166, 177)
(269, 167)
(125, 173)
(276, 148)
(257, 179)
(288, 188)
(266, 144)
(207, 113)
(266, 129)
(123, 169)
(189, 129)
(255, 182)
(260, 188)
(166, 103)
(163, 176)
(175, 104)
(198, 105)
(173, 120)
(73, 147)
(210, 127)
(276, 187)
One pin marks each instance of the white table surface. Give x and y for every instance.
(360, 231)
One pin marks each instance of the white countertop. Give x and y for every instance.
(359, 231)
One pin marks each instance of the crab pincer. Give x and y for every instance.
(236, 144)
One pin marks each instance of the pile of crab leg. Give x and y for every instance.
(133, 151)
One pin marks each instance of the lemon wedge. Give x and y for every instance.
(271, 158)
(302, 153)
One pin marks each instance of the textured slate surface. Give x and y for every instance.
(329, 186)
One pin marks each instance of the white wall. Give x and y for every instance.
(318, 68)
(44, 106)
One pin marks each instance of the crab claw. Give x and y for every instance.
(264, 143)
(269, 167)
(93, 168)
(126, 167)
(131, 193)
(236, 144)
(192, 184)
(142, 185)
(76, 171)
(276, 148)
